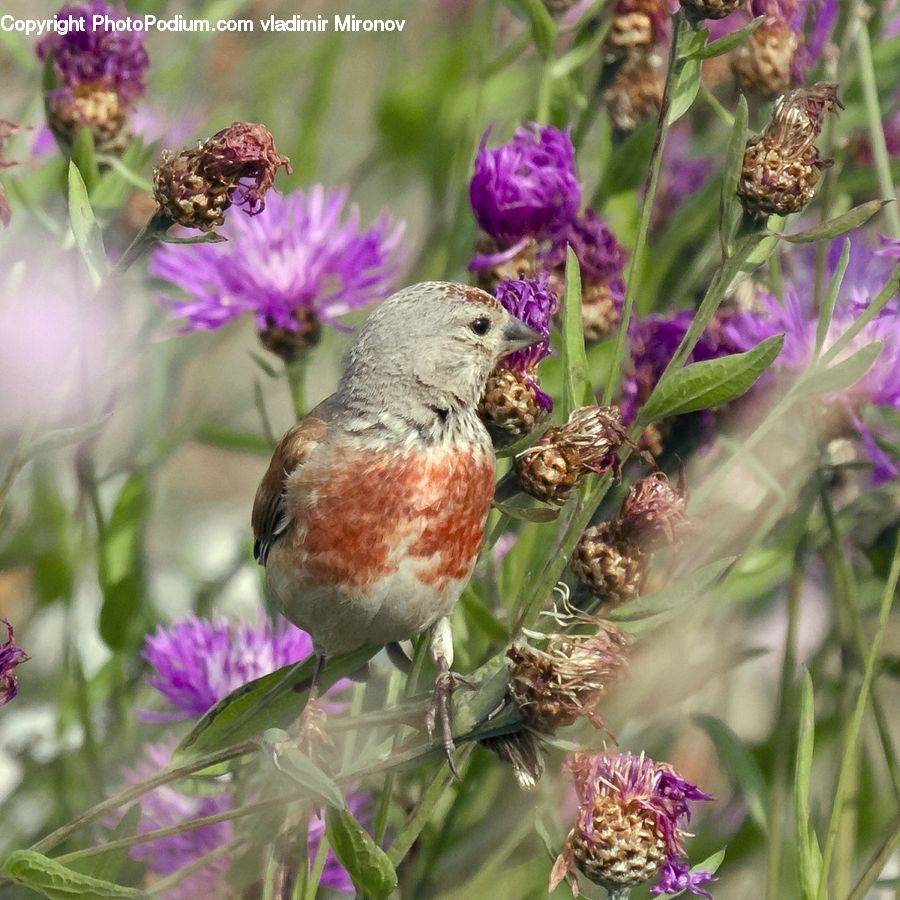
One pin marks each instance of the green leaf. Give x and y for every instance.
(855, 218)
(713, 382)
(85, 228)
(627, 167)
(237, 441)
(841, 375)
(366, 863)
(725, 44)
(108, 865)
(85, 157)
(577, 57)
(543, 28)
(211, 237)
(577, 390)
(738, 761)
(827, 311)
(729, 205)
(64, 437)
(527, 514)
(273, 701)
(301, 769)
(805, 835)
(687, 84)
(121, 176)
(56, 881)
(120, 563)
(128, 174)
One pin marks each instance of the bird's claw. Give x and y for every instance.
(445, 684)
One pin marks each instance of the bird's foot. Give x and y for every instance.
(445, 684)
(311, 733)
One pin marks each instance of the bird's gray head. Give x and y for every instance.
(433, 343)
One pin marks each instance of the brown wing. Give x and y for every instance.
(269, 517)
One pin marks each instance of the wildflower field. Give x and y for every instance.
(574, 572)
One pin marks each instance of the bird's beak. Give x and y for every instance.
(517, 335)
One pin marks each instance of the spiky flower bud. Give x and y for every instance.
(237, 165)
(636, 92)
(10, 657)
(552, 468)
(509, 406)
(630, 824)
(566, 679)
(781, 165)
(762, 64)
(652, 512)
(636, 24)
(93, 107)
(607, 566)
(710, 9)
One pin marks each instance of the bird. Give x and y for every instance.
(371, 514)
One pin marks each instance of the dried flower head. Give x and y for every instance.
(493, 265)
(608, 566)
(781, 165)
(710, 9)
(513, 403)
(526, 188)
(10, 657)
(522, 750)
(566, 679)
(652, 512)
(235, 166)
(630, 827)
(636, 92)
(762, 63)
(552, 468)
(637, 25)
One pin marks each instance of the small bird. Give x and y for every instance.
(371, 514)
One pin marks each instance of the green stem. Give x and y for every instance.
(640, 244)
(877, 863)
(164, 884)
(876, 130)
(296, 379)
(318, 867)
(851, 742)
(158, 224)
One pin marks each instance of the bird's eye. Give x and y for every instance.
(481, 326)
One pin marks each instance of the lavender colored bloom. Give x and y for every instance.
(601, 256)
(526, 188)
(675, 876)
(10, 657)
(197, 662)
(533, 302)
(297, 257)
(113, 60)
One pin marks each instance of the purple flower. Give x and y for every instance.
(526, 188)
(197, 662)
(10, 657)
(295, 257)
(625, 802)
(533, 302)
(101, 58)
(166, 806)
(601, 256)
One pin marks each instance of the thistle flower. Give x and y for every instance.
(637, 24)
(566, 679)
(196, 662)
(602, 259)
(630, 826)
(10, 657)
(513, 403)
(636, 91)
(526, 189)
(7, 130)
(292, 266)
(652, 512)
(555, 466)
(100, 74)
(237, 165)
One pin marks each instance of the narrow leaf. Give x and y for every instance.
(687, 84)
(740, 764)
(211, 237)
(726, 44)
(64, 437)
(107, 865)
(301, 769)
(729, 205)
(85, 158)
(855, 218)
(85, 229)
(802, 777)
(58, 882)
(710, 383)
(523, 514)
(543, 28)
(577, 57)
(366, 863)
(577, 389)
(827, 311)
(841, 375)
(273, 701)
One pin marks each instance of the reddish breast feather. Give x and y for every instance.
(427, 505)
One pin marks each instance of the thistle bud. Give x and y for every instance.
(557, 463)
(636, 24)
(96, 108)
(652, 512)
(566, 680)
(235, 166)
(10, 657)
(498, 267)
(607, 566)
(762, 64)
(630, 824)
(781, 165)
(289, 344)
(636, 92)
(710, 9)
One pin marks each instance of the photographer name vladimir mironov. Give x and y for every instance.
(63, 25)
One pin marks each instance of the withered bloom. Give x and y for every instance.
(7, 130)
(781, 165)
(237, 165)
(636, 92)
(630, 827)
(566, 679)
(636, 24)
(557, 463)
(522, 750)
(652, 512)
(710, 9)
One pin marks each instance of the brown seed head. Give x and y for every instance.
(636, 92)
(95, 107)
(522, 265)
(710, 9)
(652, 512)
(509, 407)
(762, 63)
(599, 314)
(636, 24)
(608, 567)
